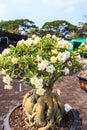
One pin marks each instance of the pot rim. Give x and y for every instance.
(80, 77)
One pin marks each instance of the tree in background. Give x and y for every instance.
(60, 28)
(82, 30)
(18, 26)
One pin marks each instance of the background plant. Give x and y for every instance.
(83, 49)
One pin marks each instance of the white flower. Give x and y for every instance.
(83, 43)
(29, 42)
(54, 51)
(5, 51)
(9, 57)
(78, 50)
(40, 91)
(54, 37)
(48, 36)
(53, 59)
(67, 107)
(67, 45)
(14, 60)
(78, 57)
(36, 40)
(67, 53)
(85, 47)
(20, 42)
(84, 61)
(50, 68)
(33, 36)
(3, 71)
(37, 82)
(8, 86)
(69, 63)
(43, 65)
(61, 57)
(7, 79)
(33, 80)
(38, 58)
(66, 71)
(58, 39)
(61, 44)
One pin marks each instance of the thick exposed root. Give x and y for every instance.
(28, 102)
(48, 126)
(43, 111)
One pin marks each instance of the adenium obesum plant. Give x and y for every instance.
(39, 62)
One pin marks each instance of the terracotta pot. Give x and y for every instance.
(77, 123)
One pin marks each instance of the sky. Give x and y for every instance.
(41, 11)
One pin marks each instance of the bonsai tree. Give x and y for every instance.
(39, 62)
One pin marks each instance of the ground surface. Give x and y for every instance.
(71, 93)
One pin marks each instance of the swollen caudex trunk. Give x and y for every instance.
(43, 112)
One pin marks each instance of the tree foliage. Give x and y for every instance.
(59, 28)
(19, 26)
(82, 30)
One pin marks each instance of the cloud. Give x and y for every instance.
(58, 3)
(40, 11)
(2, 9)
(70, 10)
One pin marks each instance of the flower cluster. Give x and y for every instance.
(83, 49)
(39, 62)
(7, 80)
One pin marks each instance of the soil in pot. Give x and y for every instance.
(17, 121)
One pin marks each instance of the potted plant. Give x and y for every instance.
(83, 79)
(39, 62)
(83, 49)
